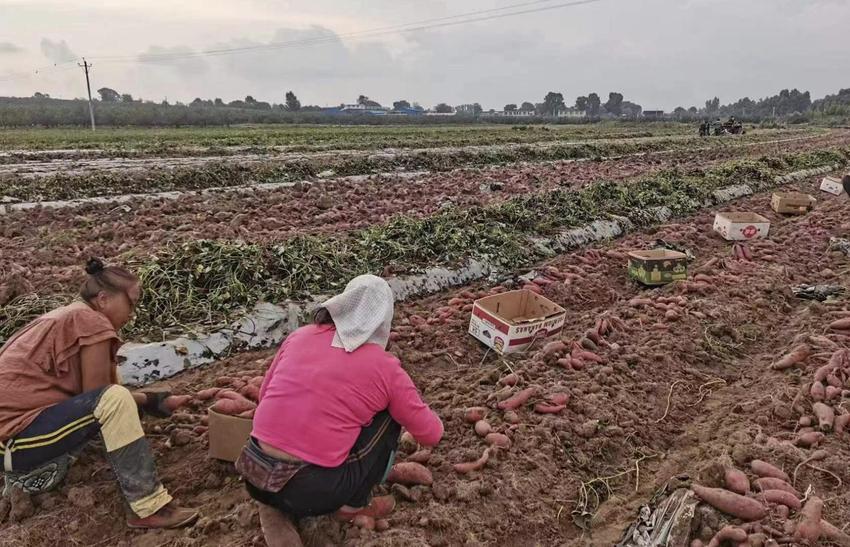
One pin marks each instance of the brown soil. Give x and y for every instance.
(675, 394)
(43, 249)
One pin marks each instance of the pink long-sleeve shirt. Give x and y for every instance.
(316, 398)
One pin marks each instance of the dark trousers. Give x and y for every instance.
(316, 490)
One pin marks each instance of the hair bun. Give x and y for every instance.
(94, 266)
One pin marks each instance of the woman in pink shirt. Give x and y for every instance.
(330, 414)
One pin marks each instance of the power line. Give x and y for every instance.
(470, 17)
(427, 24)
(390, 28)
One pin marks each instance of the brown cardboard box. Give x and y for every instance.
(228, 434)
(658, 266)
(792, 203)
(511, 321)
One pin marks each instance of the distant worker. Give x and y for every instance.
(846, 183)
(331, 410)
(59, 389)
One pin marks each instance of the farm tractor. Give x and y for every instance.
(729, 127)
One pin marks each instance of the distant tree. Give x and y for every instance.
(401, 105)
(712, 105)
(526, 106)
(292, 102)
(552, 103)
(581, 104)
(126, 98)
(593, 105)
(614, 104)
(250, 100)
(108, 95)
(218, 102)
(679, 112)
(38, 95)
(417, 106)
(164, 102)
(443, 108)
(693, 110)
(469, 109)
(631, 110)
(362, 99)
(510, 107)
(197, 102)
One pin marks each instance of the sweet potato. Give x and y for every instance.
(809, 439)
(772, 483)
(498, 439)
(728, 533)
(581, 354)
(511, 379)
(257, 381)
(840, 324)
(558, 398)
(482, 428)
(840, 423)
(474, 414)
(410, 474)
(834, 534)
(364, 521)
(543, 408)
(420, 456)
(511, 417)
(207, 394)
(795, 357)
(251, 392)
(736, 481)
(764, 469)
(781, 497)
(809, 527)
(554, 347)
(825, 415)
(731, 503)
(224, 381)
(517, 400)
(817, 391)
(467, 467)
(248, 413)
(822, 372)
(233, 407)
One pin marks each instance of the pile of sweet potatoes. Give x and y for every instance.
(234, 396)
(770, 508)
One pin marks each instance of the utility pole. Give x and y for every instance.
(86, 67)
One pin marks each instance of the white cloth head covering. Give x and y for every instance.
(362, 313)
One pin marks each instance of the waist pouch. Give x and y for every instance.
(263, 471)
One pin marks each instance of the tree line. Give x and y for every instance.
(116, 109)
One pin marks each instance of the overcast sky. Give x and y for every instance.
(658, 53)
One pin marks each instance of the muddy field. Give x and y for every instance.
(44, 247)
(683, 384)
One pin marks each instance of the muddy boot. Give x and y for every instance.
(278, 529)
(170, 516)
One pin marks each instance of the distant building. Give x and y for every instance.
(364, 109)
(653, 114)
(571, 113)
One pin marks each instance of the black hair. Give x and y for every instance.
(112, 279)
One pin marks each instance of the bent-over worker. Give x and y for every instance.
(331, 410)
(59, 389)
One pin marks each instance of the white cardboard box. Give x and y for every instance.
(741, 226)
(510, 322)
(832, 186)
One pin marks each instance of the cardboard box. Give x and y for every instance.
(509, 322)
(658, 266)
(792, 203)
(832, 186)
(228, 435)
(741, 226)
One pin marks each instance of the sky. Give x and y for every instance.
(658, 53)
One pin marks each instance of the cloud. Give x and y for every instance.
(181, 58)
(9, 47)
(58, 52)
